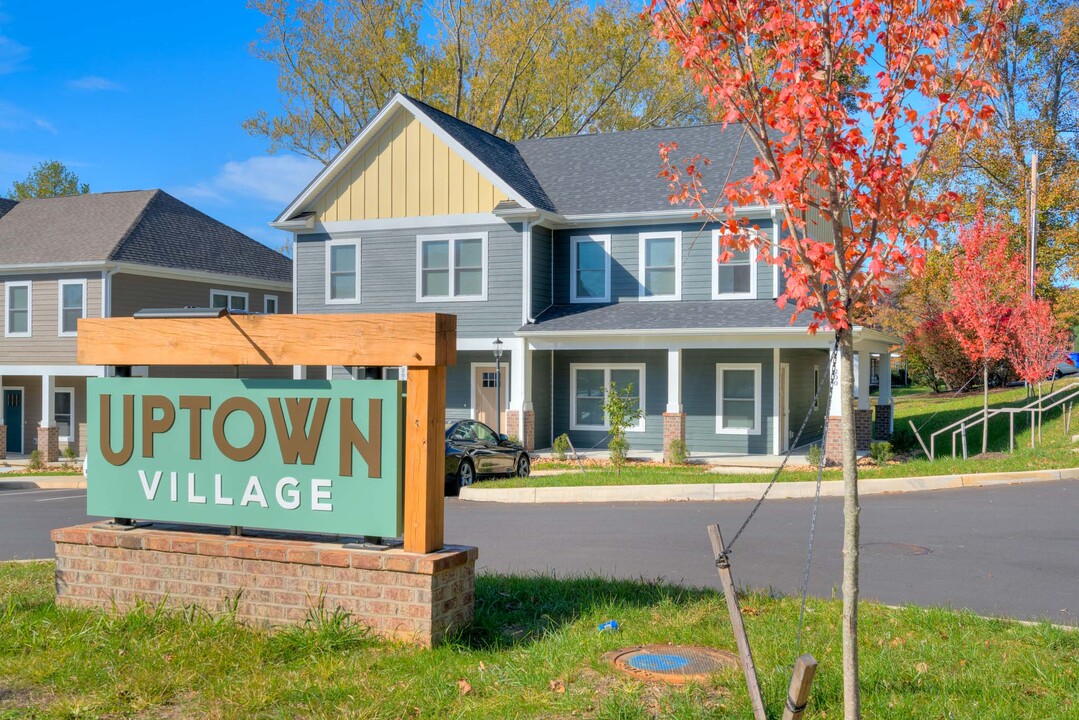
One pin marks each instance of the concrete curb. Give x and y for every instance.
(43, 482)
(751, 491)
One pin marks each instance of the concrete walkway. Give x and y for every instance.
(751, 491)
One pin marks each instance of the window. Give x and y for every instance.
(269, 304)
(229, 300)
(63, 412)
(590, 272)
(736, 278)
(660, 267)
(588, 389)
(738, 399)
(18, 317)
(343, 271)
(489, 379)
(72, 306)
(452, 267)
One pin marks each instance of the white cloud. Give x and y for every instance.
(11, 55)
(46, 125)
(273, 179)
(94, 83)
(13, 117)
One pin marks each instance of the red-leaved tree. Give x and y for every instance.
(987, 287)
(1038, 342)
(843, 102)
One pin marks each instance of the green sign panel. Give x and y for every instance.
(304, 455)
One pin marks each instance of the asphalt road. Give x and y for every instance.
(1007, 550)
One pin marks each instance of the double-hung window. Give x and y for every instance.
(18, 313)
(228, 300)
(659, 267)
(71, 302)
(269, 304)
(451, 267)
(590, 269)
(738, 399)
(736, 277)
(343, 271)
(589, 385)
(63, 412)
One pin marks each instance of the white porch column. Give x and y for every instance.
(48, 399)
(674, 380)
(777, 439)
(885, 397)
(835, 406)
(298, 372)
(520, 395)
(862, 367)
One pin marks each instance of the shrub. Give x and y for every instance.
(561, 446)
(813, 455)
(70, 456)
(881, 452)
(619, 448)
(677, 451)
(35, 461)
(513, 439)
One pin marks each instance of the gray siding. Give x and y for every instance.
(131, 293)
(542, 362)
(388, 277)
(699, 401)
(45, 347)
(802, 389)
(625, 243)
(542, 269)
(655, 401)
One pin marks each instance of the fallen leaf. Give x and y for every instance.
(557, 686)
(464, 687)
(482, 666)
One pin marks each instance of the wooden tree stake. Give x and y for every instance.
(805, 667)
(737, 625)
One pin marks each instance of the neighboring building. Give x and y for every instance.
(568, 250)
(107, 255)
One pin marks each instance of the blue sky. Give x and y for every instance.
(136, 95)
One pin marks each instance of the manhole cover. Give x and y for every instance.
(671, 663)
(895, 549)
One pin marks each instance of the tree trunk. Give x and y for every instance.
(985, 408)
(851, 697)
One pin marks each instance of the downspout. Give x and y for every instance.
(526, 271)
(106, 304)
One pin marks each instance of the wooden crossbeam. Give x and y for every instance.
(412, 339)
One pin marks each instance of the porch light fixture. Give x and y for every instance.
(498, 386)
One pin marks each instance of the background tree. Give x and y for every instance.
(48, 179)
(988, 285)
(1038, 342)
(847, 181)
(517, 68)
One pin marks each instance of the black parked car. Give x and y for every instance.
(473, 450)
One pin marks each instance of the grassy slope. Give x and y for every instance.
(928, 412)
(529, 632)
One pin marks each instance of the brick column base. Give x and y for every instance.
(863, 426)
(48, 443)
(525, 432)
(882, 423)
(674, 428)
(3, 441)
(267, 581)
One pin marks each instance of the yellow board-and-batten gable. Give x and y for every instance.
(405, 170)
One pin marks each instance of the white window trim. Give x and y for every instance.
(338, 242)
(607, 368)
(716, 294)
(757, 399)
(71, 424)
(60, 306)
(29, 309)
(276, 303)
(451, 258)
(641, 268)
(576, 240)
(231, 294)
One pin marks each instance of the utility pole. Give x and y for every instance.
(1033, 224)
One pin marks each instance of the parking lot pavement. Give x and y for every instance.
(27, 517)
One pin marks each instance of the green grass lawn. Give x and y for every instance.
(533, 652)
(929, 412)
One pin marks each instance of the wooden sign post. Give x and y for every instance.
(425, 343)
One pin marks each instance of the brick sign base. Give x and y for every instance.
(270, 581)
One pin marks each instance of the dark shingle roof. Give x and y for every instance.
(148, 227)
(618, 172)
(500, 156)
(699, 315)
(6, 204)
